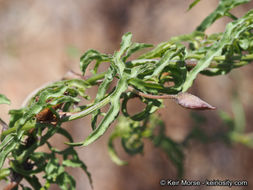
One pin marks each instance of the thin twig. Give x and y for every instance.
(74, 75)
(167, 96)
(4, 125)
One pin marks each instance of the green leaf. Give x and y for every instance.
(157, 51)
(195, 2)
(132, 144)
(174, 152)
(6, 141)
(101, 93)
(7, 146)
(165, 61)
(239, 115)
(75, 162)
(34, 181)
(112, 152)
(232, 32)
(152, 106)
(134, 48)
(245, 139)
(91, 55)
(53, 169)
(178, 73)
(65, 133)
(4, 173)
(227, 119)
(110, 115)
(130, 133)
(87, 110)
(138, 62)
(56, 95)
(66, 182)
(4, 99)
(195, 35)
(52, 129)
(244, 43)
(161, 48)
(71, 163)
(153, 88)
(223, 8)
(163, 70)
(15, 115)
(125, 44)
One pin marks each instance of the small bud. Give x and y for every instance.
(190, 101)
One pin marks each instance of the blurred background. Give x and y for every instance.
(40, 40)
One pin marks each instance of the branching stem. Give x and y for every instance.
(96, 78)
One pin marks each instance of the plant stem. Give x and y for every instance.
(248, 57)
(243, 60)
(93, 79)
(167, 96)
(4, 125)
(191, 60)
(87, 111)
(26, 127)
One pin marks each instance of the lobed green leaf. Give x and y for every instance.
(110, 115)
(222, 10)
(91, 55)
(232, 32)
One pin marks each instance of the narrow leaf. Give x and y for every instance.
(109, 117)
(4, 173)
(233, 31)
(157, 51)
(223, 8)
(4, 99)
(91, 55)
(118, 63)
(163, 62)
(135, 47)
(7, 150)
(112, 152)
(101, 93)
(193, 4)
(239, 115)
(161, 48)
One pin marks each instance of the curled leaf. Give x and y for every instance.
(112, 152)
(190, 101)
